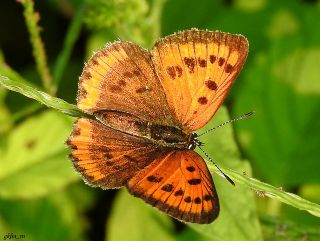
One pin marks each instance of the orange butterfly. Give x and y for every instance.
(147, 106)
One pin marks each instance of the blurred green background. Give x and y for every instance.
(43, 198)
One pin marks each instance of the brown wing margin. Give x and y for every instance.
(179, 184)
(106, 157)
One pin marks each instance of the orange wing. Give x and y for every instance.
(121, 77)
(105, 157)
(196, 69)
(179, 184)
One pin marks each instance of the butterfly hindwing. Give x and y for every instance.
(179, 184)
(196, 69)
(121, 77)
(106, 157)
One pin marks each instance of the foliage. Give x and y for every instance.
(42, 197)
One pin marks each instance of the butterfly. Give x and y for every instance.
(146, 107)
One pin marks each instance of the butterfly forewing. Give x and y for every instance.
(178, 183)
(196, 69)
(121, 77)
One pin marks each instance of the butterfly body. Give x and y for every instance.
(162, 135)
(147, 106)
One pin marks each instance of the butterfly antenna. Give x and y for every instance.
(229, 121)
(225, 175)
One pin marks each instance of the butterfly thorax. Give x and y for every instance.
(170, 136)
(161, 134)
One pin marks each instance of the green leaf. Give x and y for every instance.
(35, 161)
(310, 191)
(5, 122)
(238, 215)
(55, 217)
(33, 218)
(132, 219)
(276, 229)
(189, 234)
(283, 138)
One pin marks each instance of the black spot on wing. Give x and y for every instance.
(154, 179)
(211, 84)
(229, 68)
(221, 61)
(191, 168)
(194, 181)
(212, 58)
(167, 188)
(190, 63)
(203, 100)
(197, 200)
(180, 192)
(207, 197)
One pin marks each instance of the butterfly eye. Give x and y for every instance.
(192, 145)
(194, 141)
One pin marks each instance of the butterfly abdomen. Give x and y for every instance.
(163, 135)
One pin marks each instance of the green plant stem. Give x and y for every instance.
(265, 189)
(41, 97)
(68, 45)
(32, 18)
(155, 19)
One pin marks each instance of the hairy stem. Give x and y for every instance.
(39, 54)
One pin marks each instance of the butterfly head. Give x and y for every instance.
(194, 142)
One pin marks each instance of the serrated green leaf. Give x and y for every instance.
(35, 161)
